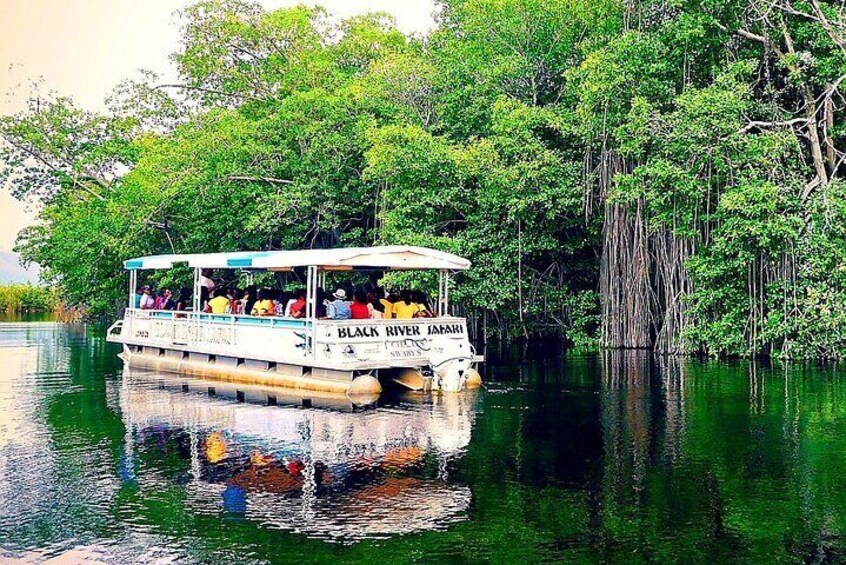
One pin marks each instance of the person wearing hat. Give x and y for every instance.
(339, 309)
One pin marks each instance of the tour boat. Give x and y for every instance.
(351, 356)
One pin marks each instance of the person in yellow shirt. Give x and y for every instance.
(405, 308)
(264, 306)
(219, 303)
(385, 301)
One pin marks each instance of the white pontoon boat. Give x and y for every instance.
(339, 356)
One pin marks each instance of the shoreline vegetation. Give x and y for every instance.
(28, 299)
(653, 175)
(22, 299)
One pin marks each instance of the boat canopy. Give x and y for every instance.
(386, 257)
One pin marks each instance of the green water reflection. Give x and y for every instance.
(618, 458)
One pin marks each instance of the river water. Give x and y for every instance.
(564, 458)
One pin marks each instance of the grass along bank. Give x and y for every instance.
(25, 298)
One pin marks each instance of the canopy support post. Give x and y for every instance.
(196, 306)
(133, 286)
(311, 305)
(446, 293)
(443, 292)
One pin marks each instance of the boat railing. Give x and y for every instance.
(273, 321)
(234, 319)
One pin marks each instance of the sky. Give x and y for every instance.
(83, 48)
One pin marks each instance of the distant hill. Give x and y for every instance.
(11, 270)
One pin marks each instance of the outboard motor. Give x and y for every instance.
(450, 366)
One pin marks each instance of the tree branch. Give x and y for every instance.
(41, 159)
(777, 124)
(206, 90)
(269, 180)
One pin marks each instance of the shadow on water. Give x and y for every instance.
(565, 458)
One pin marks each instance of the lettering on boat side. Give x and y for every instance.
(357, 331)
(446, 329)
(399, 331)
(402, 331)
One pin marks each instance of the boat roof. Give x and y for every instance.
(385, 257)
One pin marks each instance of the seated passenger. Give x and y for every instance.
(422, 300)
(360, 308)
(158, 300)
(338, 309)
(235, 305)
(147, 301)
(377, 309)
(219, 304)
(298, 308)
(205, 280)
(167, 302)
(279, 302)
(248, 300)
(320, 303)
(405, 308)
(184, 300)
(386, 300)
(264, 306)
(292, 298)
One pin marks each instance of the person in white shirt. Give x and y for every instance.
(205, 280)
(147, 300)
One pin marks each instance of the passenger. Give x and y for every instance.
(219, 303)
(285, 298)
(137, 299)
(377, 309)
(235, 304)
(298, 308)
(422, 300)
(205, 280)
(204, 298)
(385, 300)
(360, 308)
(320, 303)
(405, 308)
(248, 300)
(338, 309)
(167, 302)
(159, 300)
(264, 306)
(286, 312)
(147, 301)
(279, 302)
(184, 300)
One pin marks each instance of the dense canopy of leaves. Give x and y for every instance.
(587, 155)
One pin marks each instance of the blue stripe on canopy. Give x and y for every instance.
(239, 262)
(133, 264)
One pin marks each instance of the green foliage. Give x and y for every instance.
(18, 298)
(534, 137)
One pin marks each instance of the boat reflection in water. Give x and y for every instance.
(330, 470)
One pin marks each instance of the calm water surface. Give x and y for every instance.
(617, 458)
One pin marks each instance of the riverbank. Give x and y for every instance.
(27, 299)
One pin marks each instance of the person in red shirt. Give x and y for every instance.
(298, 307)
(360, 308)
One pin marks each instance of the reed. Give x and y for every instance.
(19, 298)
